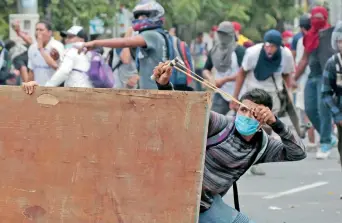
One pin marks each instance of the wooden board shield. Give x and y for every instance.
(100, 155)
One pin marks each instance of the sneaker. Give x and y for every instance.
(324, 151)
(256, 170)
(311, 147)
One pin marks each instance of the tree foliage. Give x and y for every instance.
(256, 16)
(6, 8)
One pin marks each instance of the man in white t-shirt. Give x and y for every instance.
(264, 66)
(42, 66)
(261, 62)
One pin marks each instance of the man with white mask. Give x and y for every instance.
(225, 58)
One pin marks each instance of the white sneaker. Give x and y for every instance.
(322, 155)
(324, 151)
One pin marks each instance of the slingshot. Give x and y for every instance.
(178, 64)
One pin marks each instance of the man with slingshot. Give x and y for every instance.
(244, 144)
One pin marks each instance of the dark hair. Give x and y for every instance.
(47, 24)
(305, 22)
(258, 96)
(199, 34)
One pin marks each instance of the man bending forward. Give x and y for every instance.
(245, 144)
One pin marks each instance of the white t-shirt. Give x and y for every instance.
(42, 71)
(303, 79)
(72, 70)
(250, 61)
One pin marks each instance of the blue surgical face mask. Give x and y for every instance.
(246, 126)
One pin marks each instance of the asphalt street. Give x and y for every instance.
(307, 191)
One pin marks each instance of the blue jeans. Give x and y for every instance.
(222, 213)
(318, 113)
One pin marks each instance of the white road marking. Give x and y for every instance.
(251, 193)
(296, 190)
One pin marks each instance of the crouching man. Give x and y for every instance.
(244, 144)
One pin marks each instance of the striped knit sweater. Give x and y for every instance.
(226, 162)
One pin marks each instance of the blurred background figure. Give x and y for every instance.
(287, 38)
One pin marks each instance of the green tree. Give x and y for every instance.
(7, 7)
(63, 12)
(256, 16)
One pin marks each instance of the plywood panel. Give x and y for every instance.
(91, 155)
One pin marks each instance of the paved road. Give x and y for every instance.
(298, 192)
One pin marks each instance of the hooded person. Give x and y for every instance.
(225, 58)
(332, 83)
(316, 53)
(319, 21)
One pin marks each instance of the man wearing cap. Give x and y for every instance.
(40, 63)
(226, 57)
(264, 66)
(74, 67)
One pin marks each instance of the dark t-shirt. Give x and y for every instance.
(20, 60)
(295, 40)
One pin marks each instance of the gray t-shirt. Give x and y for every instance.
(150, 56)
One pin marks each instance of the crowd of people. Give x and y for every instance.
(301, 63)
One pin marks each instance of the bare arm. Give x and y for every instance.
(240, 78)
(127, 42)
(25, 74)
(30, 76)
(24, 36)
(302, 65)
(125, 56)
(207, 74)
(294, 53)
(287, 79)
(48, 59)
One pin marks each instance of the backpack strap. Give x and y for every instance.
(263, 147)
(168, 43)
(221, 136)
